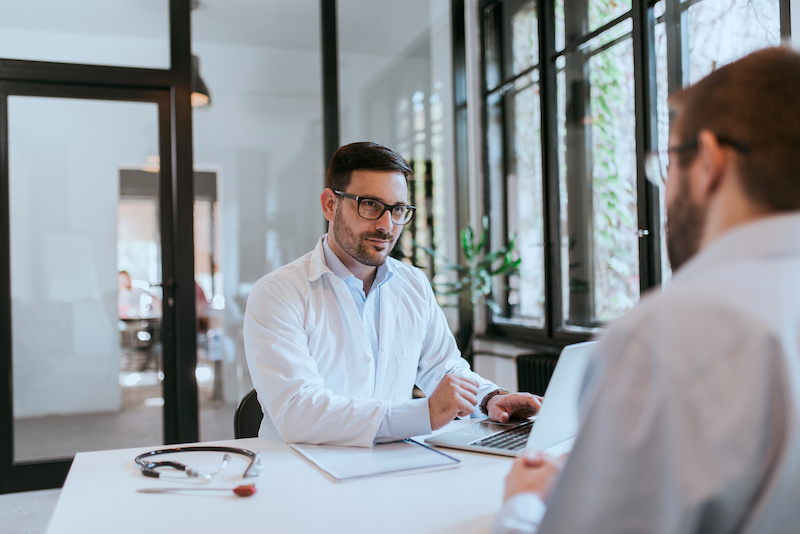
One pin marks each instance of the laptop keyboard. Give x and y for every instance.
(513, 439)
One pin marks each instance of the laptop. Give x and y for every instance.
(557, 420)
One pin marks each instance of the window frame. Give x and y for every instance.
(554, 332)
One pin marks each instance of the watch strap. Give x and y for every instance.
(485, 402)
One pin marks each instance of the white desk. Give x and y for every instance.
(100, 496)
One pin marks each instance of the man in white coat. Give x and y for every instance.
(336, 340)
(690, 411)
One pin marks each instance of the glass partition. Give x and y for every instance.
(395, 88)
(85, 269)
(259, 172)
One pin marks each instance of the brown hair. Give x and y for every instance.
(363, 156)
(756, 102)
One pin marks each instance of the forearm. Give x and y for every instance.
(320, 417)
(403, 420)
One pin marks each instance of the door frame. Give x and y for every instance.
(170, 89)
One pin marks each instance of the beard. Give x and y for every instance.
(357, 246)
(685, 221)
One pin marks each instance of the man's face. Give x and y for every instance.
(685, 218)
(365, 241)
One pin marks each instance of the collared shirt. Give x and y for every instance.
(691, 408)
(314, 362)
(402, 419)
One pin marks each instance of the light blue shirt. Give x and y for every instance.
(402, 419)
(332, 365)
(691, 408)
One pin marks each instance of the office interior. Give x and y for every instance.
(111, 164)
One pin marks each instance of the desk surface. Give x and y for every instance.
(100, 496)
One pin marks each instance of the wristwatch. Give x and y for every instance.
(487, 398)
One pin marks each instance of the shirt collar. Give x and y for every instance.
(335, 265)
(775, 234)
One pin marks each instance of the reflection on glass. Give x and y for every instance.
(129, 33)
(259, 171)
(603, 11)
(84, 374)
(662, 112)
(585, 16)
(525, 38)
(491, 47)
(614, 181)
(598, 182)
(525, 208)
(396, 89)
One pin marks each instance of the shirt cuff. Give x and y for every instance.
(522, 513)
(403, 420)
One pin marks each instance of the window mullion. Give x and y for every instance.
(549, 139)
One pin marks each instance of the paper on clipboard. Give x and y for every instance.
(344, 463)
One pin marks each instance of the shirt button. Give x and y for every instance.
(367, 359)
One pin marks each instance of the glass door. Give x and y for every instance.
(88, 240)
(85, 299)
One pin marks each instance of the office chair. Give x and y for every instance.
(248, 416)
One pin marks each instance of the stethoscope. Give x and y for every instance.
(149, 467)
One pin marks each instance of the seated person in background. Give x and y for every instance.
(336, 340)
(201, 307)
(691, 409)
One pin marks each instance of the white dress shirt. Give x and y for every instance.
(332, 366)
(691, 408)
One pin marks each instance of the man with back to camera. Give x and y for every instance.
(690, 411)
(336, 340)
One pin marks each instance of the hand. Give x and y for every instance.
(455, 396)
(534, 472)
(522, 405)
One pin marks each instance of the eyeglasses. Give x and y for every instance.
(656, 162)
(372, 209)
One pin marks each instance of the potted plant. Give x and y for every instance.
(474, 279)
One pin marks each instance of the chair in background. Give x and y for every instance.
(248, 416)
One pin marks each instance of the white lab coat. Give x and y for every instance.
(312, 364)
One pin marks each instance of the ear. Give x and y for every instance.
(712, 161)
(328, 199)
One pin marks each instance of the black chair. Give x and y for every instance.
(248, 416)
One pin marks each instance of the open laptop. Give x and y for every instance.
(556, 421)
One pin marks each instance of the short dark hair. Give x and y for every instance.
(363, 156)
(756, 102)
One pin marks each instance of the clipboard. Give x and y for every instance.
(347, 463)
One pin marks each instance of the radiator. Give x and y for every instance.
(534, 372)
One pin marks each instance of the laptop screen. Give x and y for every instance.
(558, 417)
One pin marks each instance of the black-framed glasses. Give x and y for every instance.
(656, 162)
(372, 209)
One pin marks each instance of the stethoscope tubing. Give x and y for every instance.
(149, 467)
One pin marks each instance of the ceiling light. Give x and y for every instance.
(200, 94)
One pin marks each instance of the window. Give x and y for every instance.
(574, 94)
(514, 155)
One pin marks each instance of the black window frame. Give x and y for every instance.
(554, 333)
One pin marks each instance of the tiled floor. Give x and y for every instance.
(28, 512)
